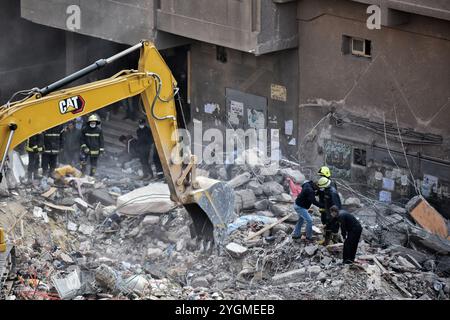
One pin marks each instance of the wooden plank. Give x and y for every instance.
(57, 207)
(50, 191)
(270, 226)
(429, 219)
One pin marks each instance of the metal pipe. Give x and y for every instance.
(81, 73)
(12, 127)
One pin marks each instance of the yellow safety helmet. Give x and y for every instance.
(323, 182)
(93, 118)
(324, 172)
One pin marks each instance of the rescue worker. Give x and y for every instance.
(92, 144)
(71, 148)
(131, 148)
(147, 148)
(144, 145)
(302, 203)
(53, 143)
(328, 197)
(351, 232)
(326, 172)
(34, 147)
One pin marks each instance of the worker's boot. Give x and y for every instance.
(83, 168)
(327, 238)
(93, 171)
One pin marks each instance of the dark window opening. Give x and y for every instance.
(357, 46)
(221, 54)
(359, 157)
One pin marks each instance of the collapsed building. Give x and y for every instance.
(370, 104)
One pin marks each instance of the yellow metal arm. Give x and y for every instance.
(47, 108)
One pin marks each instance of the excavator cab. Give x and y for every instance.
(209, 202)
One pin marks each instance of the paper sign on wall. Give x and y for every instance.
(237, 108)
(288, 127)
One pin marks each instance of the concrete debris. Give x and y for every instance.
(246, 198)
(140, 246)
(295, 175)
(311, 250)
(240, 180)
(272, 188)
(352, 202)
(236, 250)
(150, 220)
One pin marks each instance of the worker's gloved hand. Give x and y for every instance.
(86, 150)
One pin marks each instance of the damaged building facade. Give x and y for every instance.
(371, 104)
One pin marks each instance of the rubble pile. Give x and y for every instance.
(117, 238)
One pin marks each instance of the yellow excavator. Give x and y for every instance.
(209, 202)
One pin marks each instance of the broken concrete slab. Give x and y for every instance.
(256, 187)
(353, 201)
(102, 196)
(290, 276)
(247, 198)
(284, 197)
(272, 188)
(154, 198)
(311, 250)
(269, 170)
(262, 204)
(313, 270)
(199, 282)
(150, 220)
(236, 250)
(86, 229)
(239, 180)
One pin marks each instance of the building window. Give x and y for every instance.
(359, 157)
(357, 47)
(221, 54)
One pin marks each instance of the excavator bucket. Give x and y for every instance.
(211, 209)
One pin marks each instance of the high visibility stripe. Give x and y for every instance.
(83, 145)
(52, 134)
(95, 152)
(92, 134)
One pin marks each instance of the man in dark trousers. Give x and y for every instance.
(146, 146)
(304, 200)
(92, 144)
(328, 197)
(53, 143)
(34, 147)
(351, 232)
(71, 150)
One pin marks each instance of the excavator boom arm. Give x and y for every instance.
(46, 108)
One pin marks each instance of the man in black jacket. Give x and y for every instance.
(328, 197)
(34, 147)
(304, 200)
(53, 143)
(92, 144)
(351, 231)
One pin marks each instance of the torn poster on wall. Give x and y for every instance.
(236, 112)
(385, 196)
(256, 119)
(429, 184)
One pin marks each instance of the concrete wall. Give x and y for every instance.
(409, 69)
(123, 21)
(31, 55)
(257, 26)
(249, 74)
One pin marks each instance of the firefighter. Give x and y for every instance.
(34, 147)
(53, 143)
(328, 197)
(326, 172)
(92, 144)
(351, 232)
